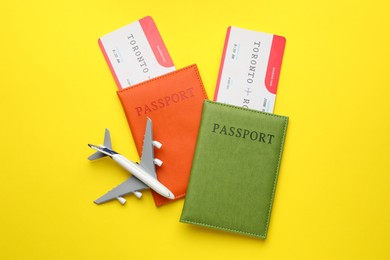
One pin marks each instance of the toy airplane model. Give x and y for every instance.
(143, 173)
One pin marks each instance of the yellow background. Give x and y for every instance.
(57, 95)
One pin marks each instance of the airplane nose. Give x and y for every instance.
(170, 196)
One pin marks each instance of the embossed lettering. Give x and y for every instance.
(165, 101)
(238, 132)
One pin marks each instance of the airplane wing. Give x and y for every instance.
(130, 185)
(148, 150)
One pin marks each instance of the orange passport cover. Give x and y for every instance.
(174, 103)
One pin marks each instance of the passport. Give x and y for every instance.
(235, 169)
(173, 102)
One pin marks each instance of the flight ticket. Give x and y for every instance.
(136, 53)
(250, 68)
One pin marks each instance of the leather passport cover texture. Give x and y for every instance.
(174, 103)
(235, 169)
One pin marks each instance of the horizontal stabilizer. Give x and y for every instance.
(96, 155)
(107, 139)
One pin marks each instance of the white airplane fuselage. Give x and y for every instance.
(138, 171)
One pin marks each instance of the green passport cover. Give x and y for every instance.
(235, 169)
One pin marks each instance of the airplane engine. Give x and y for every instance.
(137, 194)
(157, 144)
(121, 200)
(157, 162)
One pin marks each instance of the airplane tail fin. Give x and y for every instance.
(107, 143)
